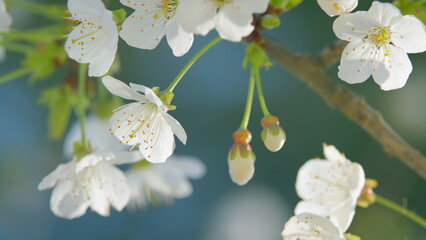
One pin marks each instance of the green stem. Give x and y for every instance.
(82, 73)
(190, 63)
(246, 117)
(14, 74)
(260, 93)
(403, 211)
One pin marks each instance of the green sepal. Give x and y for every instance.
(233, 152)
(257, 56)
(270, 21)
(285, 5)
(119, 16)
(244, 151)
(274, 129)
(264, 134)
(80, 149)
(350, 236)
(166, 97)
(141, 164)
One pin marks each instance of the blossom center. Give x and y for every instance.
(221, 3)
(168, 8)
(379, 36)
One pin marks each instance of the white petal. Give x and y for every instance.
(5, 18)
(196, 16)
(178, 39)
(409, 33)
(93, 159)
(120, 89)
(93, 182)
(88, 6)
(310, 226)
(233, 23)
(144, 29)
(100, 66)
(344, 215)
(60, 172)
(393, 73)
(332, 154)
(114, 185)
(352, 26)
(355, 64)
(241, 169)
(126, 157)
(141, 4)
(149, 94)
(383, 13)
(253, 6)
(192, 167)
(176, 127)
(337, 7)
(68, 199)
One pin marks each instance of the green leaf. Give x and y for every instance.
(44, 61)
(412, 7)
(60, 101)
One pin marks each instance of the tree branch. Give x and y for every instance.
(311, 71)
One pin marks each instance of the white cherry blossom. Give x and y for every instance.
(5, 22)
(379, 42)
(231, 18)
(94, 40)
(92, 181)
(337, 7)
(162, 183)
(152, 20)
(307, 226)
(330, 187)
(144, 123)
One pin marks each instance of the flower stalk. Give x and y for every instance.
(260, 93)
(191, 62)
(247, 112)
(81, 107)
(401, 210)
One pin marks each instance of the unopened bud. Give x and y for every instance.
(270, 22)
(272, 135)
(241, 158)
(367, 197)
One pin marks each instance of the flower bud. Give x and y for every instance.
(270, 21)
(368, 196)
(333, 8)
(241, 158)
(272, 135)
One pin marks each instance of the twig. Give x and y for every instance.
(311, 71)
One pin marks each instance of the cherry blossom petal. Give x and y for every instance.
(409, 33)
(50, 180)
(233, 23)
(144, 29)
(68, 200)
(196, 16)
(383, 13)
(241, 169)
(178, 39)
(120, 89)
(115, 189)
(253, 6)
(355, 64)
(177, 128)
(393, 74)
(310, 226)
(352, 26)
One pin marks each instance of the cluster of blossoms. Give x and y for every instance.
(329, 189)
(379, 40)
(94, 181)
